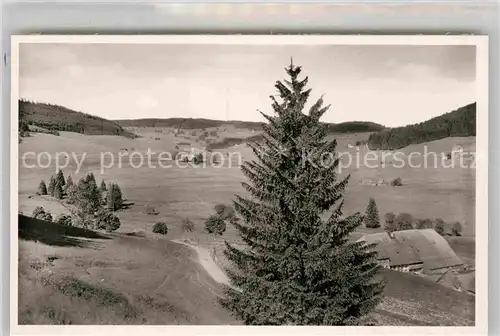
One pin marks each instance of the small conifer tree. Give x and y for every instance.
(60, 178)
(114, 197)
(42, 188)
(58, 190)
(69, 182)
(372, 219)
(52, 184)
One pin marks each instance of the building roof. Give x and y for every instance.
(414, 246)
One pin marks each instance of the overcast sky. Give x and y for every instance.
(391, 85)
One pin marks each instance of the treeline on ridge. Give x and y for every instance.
(59, 118)
(200, 123)
(458, 123)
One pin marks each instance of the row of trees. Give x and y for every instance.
(405, 221)
(461, 122)
(92, 206)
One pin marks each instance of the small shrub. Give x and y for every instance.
(224, 211)
(456, 229)
(215, 225)
(108, 221)
(440, 226)
(63, 219)
(404, 221)
(40, 213)
(161, 228)
(397, 182)
(390, 222)
(187, 225)
(423, 224)
(151, 211)
(198, 158)
(37, 211)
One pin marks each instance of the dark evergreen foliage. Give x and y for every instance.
(58, 118)
(161, 228)
(423, 224)
(372, 219)
(60, 178)
(461, 122)
(58, 190)
(114, 200)
(397, 182)
(404, 221)
(40, 213)
(298, 269)
(440, 226)
(88, 197)
(106, 220)
(52, 185)
(42, 188)
(63, 219)
(69, 182)
(103, 187)
(215, 225)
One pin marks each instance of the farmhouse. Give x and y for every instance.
(413, 251)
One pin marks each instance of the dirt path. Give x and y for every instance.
(207, 262)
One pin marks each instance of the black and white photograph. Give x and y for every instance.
(230, 181)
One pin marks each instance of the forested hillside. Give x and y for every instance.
(458, 123)
(59, 118)
(190, 123)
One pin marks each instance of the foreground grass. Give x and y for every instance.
(119, 280)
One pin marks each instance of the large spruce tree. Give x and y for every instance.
(298, 269)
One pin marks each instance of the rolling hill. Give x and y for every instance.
(59, 118)
(458, 123)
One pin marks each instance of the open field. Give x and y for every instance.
(152, 280)
(192, 192)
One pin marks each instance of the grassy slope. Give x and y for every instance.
(412, 300)
(69, 276)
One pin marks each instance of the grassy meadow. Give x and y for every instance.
(155, 281)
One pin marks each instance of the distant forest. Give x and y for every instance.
(59, 118)
(458, 123)
(189, 123)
